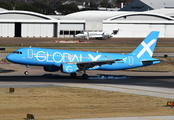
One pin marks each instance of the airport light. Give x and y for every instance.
(170, 103)
(30, 117)
(11, 90)
(165, 55)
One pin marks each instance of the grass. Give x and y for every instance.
(65, 103)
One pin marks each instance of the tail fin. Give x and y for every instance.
(146, 48)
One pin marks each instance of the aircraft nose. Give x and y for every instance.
(10, 57)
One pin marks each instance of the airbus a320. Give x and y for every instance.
(69, 61)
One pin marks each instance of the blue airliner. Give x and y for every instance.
(69, 61)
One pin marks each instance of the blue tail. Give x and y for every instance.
(146, 48)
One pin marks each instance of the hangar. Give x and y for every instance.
(145, 5)
(15, 23)
(138, 24)
(129, 24)
(26, 24)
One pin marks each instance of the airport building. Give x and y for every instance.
(128, 24)
(145, 5)
(29, 24)
(26, 24)
(125, 23)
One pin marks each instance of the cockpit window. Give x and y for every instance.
(17, 52)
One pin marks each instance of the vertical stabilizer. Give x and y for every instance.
(146, 48)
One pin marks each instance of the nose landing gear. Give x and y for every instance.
(27, 68)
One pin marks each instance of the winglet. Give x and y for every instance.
(146, 48)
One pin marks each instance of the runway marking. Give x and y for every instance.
(135, 89)
(76, 84)
(152, 118)
(129, 90)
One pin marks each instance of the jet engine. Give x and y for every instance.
(51, 68)
(68, 68)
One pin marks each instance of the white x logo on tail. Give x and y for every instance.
(146, 48)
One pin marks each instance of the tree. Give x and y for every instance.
(105, 3)
(6, 5)
(67, 8)
(25, 7)
(90, 7)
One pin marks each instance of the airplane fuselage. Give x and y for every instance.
(94, 35)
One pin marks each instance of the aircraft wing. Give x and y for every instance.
(91, 64)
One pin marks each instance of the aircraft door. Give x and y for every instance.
(131, 61)
(30, 54)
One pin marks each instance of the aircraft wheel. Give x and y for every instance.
(84, 76)
(26, 72)
(73, 75)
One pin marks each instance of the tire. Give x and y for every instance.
(73, 75)
(26, 72)
(85, 76)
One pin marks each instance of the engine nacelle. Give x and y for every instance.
(51, 68)
(68, 68)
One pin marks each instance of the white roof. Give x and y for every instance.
(144, 5)
(91, 16)
(2, 9)
(157, 4)
(163, 11)
(25, 15)
(100, 16)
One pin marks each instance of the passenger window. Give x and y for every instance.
(20, 52)
(17, 52)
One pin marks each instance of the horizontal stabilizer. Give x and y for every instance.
(147, 62)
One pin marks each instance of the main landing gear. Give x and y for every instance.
(73, 75)
(26, 72)
(85, 76)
